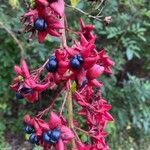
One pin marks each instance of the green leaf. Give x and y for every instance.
(129, 54)
(2, 126)
(74, 2)
(84, 138)
(14, 3)
(27, 136)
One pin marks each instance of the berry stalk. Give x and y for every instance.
(69, 95)
(70, 113)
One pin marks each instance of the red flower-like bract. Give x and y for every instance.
(81, 63)
(95, 110)
(55, 122)
(51, 12)
(24, 81)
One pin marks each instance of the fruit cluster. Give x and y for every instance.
(95, 110)
(52, 136)
(30, 130)
(81, 64)
(26, 85)
(54, 133)
(44, 18)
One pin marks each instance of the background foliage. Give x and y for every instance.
(128, 89)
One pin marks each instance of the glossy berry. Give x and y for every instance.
(19, 96)
(52, 137)
(75, 63)
(52, 58)
(52, 141)
(46, 138)
(52, 65)
(33, 139)
(26, 90)
(84, 83)
(80, 59)
(40, 24)
(49, 133)
(28, 129)
(55, 135)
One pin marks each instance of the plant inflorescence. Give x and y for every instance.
(80, 64)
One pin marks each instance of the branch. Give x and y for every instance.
(83, 131)
(14, 38)
(68, 94)
(50, 107)
(63, 104)
(70, 112)
(85, 13)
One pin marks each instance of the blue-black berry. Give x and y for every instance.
(26, 90)
(52, 136)
(80, 59)
(55, 135)
(33, 139)
(40, 24)
(75, 63)
(49, 133)
(19, 96)
(28, 129)
(46, 138)
(52, 58)
(84, 83)
(52, 64)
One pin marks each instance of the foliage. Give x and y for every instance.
(126, 39)
(74, 3)
(131, 111)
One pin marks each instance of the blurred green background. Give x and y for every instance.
(127, 41)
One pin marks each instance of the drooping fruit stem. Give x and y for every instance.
(51, 105)
(69, 95)
(70, 113)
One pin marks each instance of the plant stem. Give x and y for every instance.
(63, 33)
(85, 13)
(68, 95)
(63, 104)
(50, 107)
(70, 109)
(85, 132)
(70, 113)
(11, 33)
